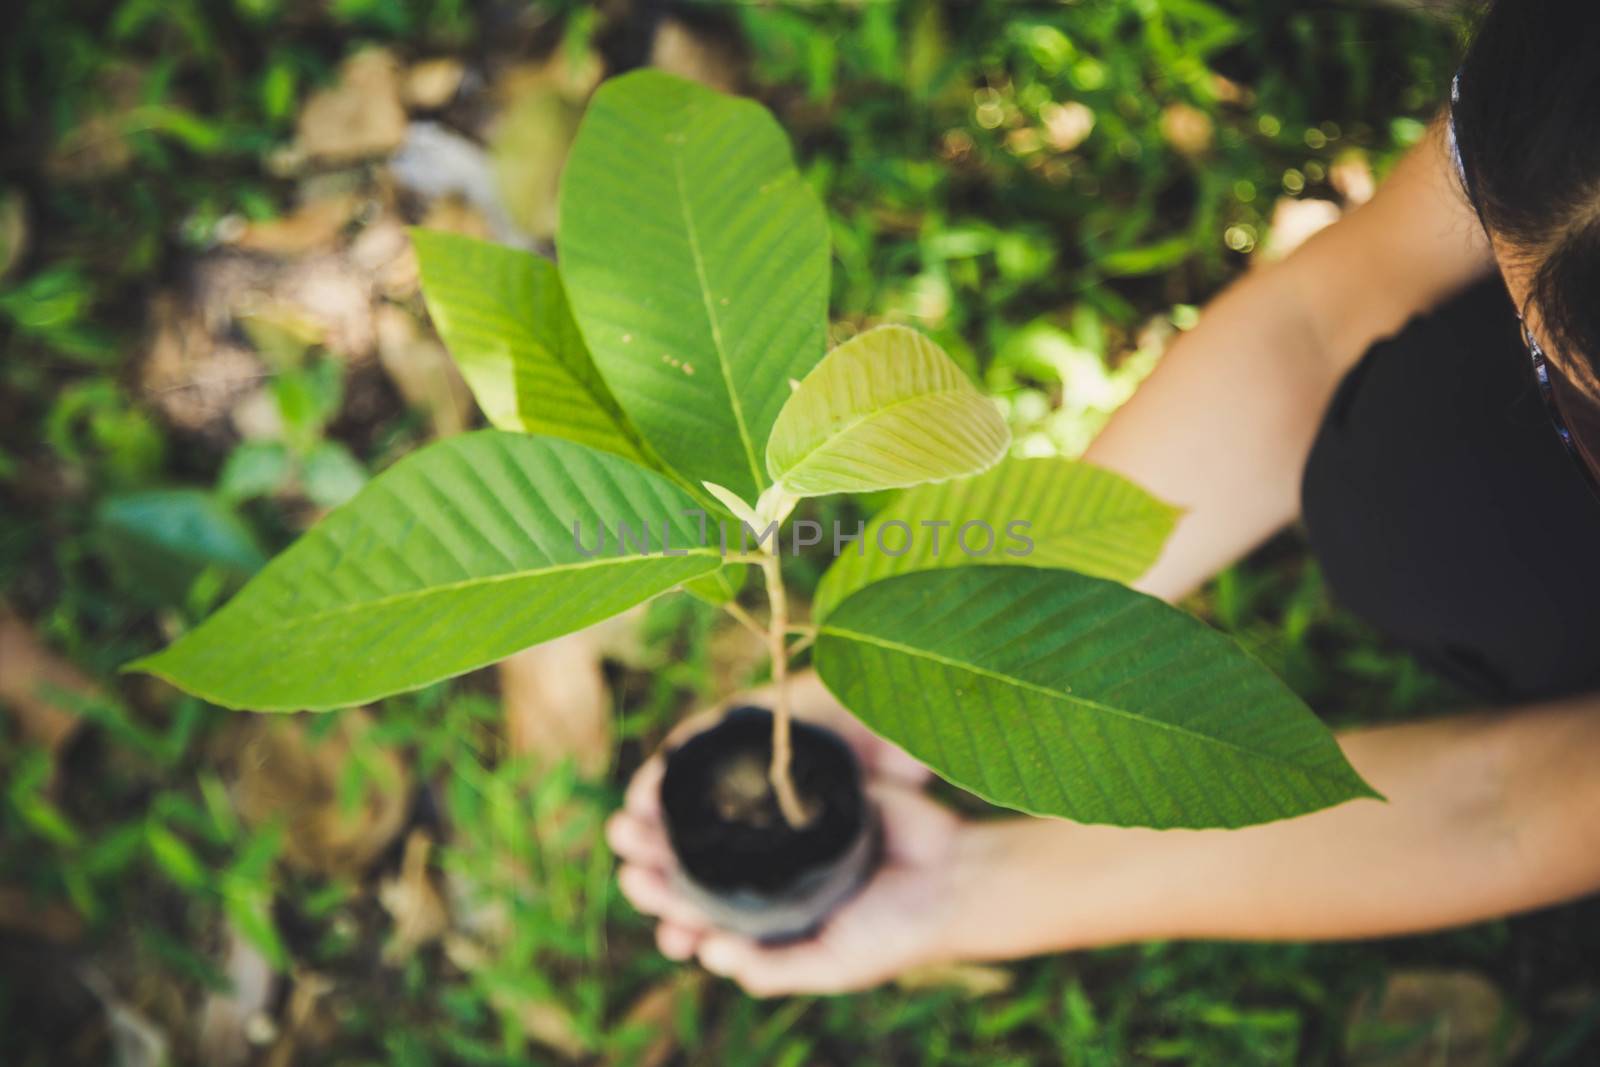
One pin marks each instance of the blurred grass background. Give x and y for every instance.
(211, 334)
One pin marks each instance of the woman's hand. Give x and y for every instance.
(897, 921)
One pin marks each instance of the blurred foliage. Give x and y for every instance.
(1050, 189)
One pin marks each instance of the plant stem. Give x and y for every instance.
(794, 812)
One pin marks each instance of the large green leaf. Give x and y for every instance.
(884, 410)
(504, 317)
(1046, 512)
(697, 264)
(455, 557)
(1059, 694)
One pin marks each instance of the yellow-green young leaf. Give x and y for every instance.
(455, 557)
(504, 317)
(1046, 512)
(1059, 694)
(884, 410)
(697, 263)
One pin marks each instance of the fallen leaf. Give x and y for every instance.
(314, 225)
(189, 375)
(656, 1012)
(383, 252)
(433, 83)
(556, 703)
(1428, 1017)
(707, 58)
(32, 682)
(21, 914)
(413, 901)
(975, 980)
(283, 772)
(13, 229)
(358, 117)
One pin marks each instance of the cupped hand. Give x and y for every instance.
(895, 922)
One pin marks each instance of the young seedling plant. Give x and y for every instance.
(660, 405)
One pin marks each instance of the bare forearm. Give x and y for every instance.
(1486, 815)
(1224, 425)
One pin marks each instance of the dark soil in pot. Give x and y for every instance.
(739, 860)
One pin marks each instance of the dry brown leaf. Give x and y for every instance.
(414, 902)
(454, 215)
(383, 252)
(283, 773)
(314, 225)
(543, 1021)
(433, 83)
(709, 60)
(13, 229)
(1453, 1017)
(21, 914)
(556, 704)
(973, 979)
(657, 1009)
(189, 375)
(31, 681)
(423, 372)
(556, 71)
(299, 1018)
(95, 148)
(360, 116)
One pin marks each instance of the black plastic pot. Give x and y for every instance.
(738, 859)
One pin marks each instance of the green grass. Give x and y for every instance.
(927, 129)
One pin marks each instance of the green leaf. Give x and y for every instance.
(331, 474)
(453, 558)
(255, 468)
(504, 316)
(884, 410)
(697, 264)
(157, 542)
(1059, 694)
(1046, 512)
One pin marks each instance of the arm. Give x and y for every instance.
(1487, 815)
(1224, 425)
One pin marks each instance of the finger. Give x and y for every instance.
(804, 967)
(644, 791)
(677, 942)
(637, 840)
(651, 892)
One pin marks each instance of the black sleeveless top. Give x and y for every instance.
(1444, 509)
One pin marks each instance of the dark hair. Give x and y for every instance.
(1527, 126)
